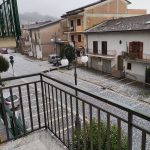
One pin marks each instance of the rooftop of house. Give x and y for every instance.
(81, 9)
(38, 25)
(136, 23)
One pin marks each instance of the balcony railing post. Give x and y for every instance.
(43, 99)
(130, 119)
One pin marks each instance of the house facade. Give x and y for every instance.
(45, 38)
(80, 19)
(121, 47)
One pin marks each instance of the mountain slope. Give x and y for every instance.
(28, 18)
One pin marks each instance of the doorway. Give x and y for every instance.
(95, 47)
(104, 47)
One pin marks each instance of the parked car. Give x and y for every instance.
(57, 62)
(3, 51)
(52, 58)
(8, 100)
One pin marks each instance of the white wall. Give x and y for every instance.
(113, 39)
(39, 52)
(137, 71)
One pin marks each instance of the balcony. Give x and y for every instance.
(111, 54)
(133, 58)
(55, 113)
(66, 29)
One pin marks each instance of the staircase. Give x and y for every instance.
(118, 73)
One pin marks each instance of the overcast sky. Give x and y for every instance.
(58, 7)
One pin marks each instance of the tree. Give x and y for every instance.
(4, 65)
(69, 52)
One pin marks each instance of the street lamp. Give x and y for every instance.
(65, 62)
(12, 63)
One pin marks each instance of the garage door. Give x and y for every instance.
(106, 66)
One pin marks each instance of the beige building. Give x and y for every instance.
(44, 38)
(80, 19)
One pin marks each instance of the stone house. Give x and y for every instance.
(121, 46)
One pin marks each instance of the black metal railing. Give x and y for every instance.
(9, 19)
(48, 103)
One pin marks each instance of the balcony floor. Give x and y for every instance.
(40, 140)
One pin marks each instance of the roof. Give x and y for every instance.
(81, 9)
(135, 23)
(41, 25)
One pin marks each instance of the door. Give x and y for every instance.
(72, 25)
(120, 63)
(104, 47)
(106, 66)
(95, 47)
(147, 75)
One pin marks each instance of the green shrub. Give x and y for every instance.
(81, 136)
(132, 56)
(148, 71)
(4, 64)
(69, 52)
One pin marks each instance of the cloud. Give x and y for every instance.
(58, 7)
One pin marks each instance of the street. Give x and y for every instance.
(120, 91)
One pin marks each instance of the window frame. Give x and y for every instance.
(79, 22)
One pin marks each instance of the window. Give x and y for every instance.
(72, 23)
(35, 37)
(72, 37)
(136, 49)
(95, 47)
(78, 22)
(104, 47)
(129, 66)
(79, 38)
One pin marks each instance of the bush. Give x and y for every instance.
(82, 136)
(148, 71)
(132, 56)
(4, 64)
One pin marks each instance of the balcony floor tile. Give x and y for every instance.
(40, 140)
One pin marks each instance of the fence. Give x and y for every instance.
(48, 103)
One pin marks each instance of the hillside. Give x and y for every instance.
(28, 18)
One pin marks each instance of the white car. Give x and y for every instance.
(8, 100)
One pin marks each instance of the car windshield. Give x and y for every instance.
(9, 98)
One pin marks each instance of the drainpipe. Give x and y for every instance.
(117, 9)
